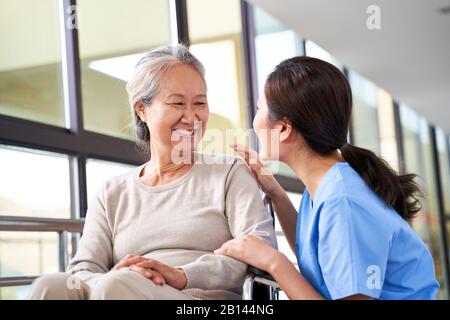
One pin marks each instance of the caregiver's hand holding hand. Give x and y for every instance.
(260, 170)
(253, 251)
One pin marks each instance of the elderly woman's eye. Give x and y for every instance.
(176, 104)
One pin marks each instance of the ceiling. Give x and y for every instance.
(409, 56)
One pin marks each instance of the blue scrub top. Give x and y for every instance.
(350, 242)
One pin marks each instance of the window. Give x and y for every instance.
(34, 183)
(14, 293)
(386, 127)
(110, 46)
(418, 160)
(313, 50)
(444, 164)
(365, 129)
(216, 40)
(28, 253)
(447, 224)
(30, 61)
(274, 43)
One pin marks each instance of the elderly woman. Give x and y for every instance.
(151, 233)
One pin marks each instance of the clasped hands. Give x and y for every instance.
(154, 270)
(248, 249)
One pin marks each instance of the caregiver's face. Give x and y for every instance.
(267, 134)
(179, 112)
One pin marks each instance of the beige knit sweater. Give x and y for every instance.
(180, 224)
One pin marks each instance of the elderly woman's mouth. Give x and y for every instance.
(184, 132)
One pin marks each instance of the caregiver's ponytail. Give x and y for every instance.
(399, 191)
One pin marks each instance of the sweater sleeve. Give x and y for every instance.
(94, 255)
(246, 214)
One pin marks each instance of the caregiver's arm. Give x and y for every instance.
(246, 214)
(295, 285)
(257, 253)
(286, 213)
(94, 255)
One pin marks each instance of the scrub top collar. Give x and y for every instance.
(325, 180)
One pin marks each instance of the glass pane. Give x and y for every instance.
(112, 35)
(365, 129)
(282, 296)
(448, 233)
(386, 126)
(28, 253)
(34, 183)
(444, 164)
(14, 293)
(274, 43)
(216, 37)
(418, 159)
(296, 198)
(30, 61)
(98, 171)
(283, 247)
(313, 50)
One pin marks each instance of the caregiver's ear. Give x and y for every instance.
(139, 108)
(286, 130)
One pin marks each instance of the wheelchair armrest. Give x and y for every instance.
(255, 275)
(260, 273)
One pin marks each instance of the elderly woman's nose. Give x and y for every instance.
(189, 116)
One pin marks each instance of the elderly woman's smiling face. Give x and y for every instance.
(179, 111)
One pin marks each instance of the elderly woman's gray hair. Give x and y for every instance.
(145, 81)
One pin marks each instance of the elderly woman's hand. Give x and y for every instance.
(251, 250)
(174, 277)
(130, 262)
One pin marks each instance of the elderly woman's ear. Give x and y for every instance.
(139, 108)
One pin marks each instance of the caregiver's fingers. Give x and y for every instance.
(250, 156)
(229, 247)
(245, 151)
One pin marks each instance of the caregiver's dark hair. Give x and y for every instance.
(315, 97)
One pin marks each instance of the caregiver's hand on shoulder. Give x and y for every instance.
(251, 250)
(131, 261)
(259, 169)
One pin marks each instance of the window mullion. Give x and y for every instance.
(71, 66)
(179, 22)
